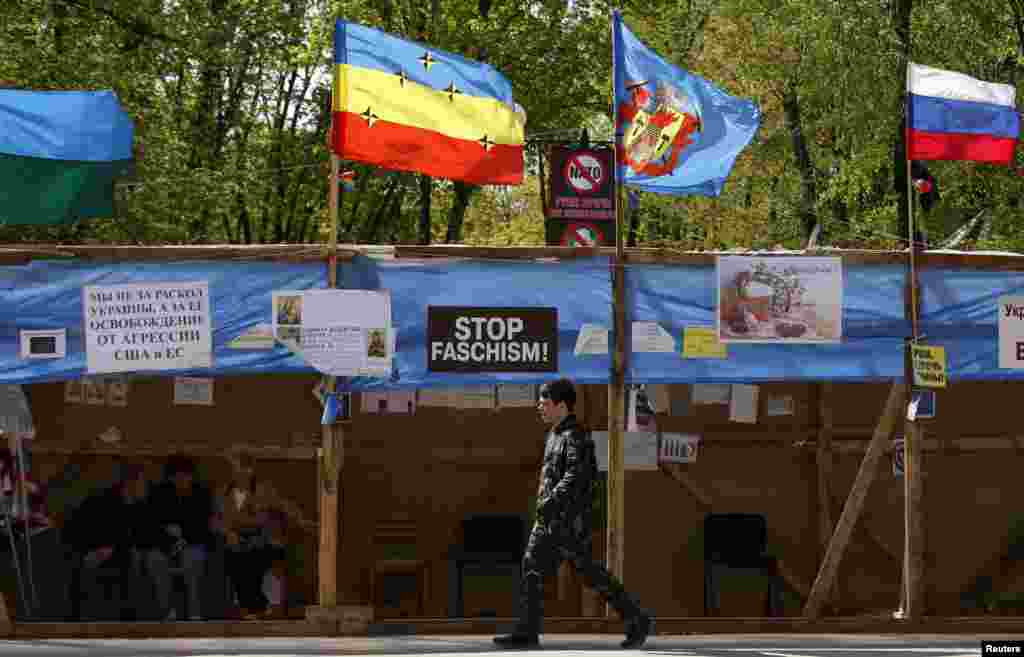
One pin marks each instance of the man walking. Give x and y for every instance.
(562, 529)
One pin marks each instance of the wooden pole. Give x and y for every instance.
(913, 581)
(332, 448)
(824, 463)
(913, 489)
(614, 554)
(617, 413)
(894, 407)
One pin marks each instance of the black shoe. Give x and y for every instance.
(518, 640)
(637, 631)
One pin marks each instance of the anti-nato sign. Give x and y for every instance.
(474, 339)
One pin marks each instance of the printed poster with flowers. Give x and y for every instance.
(780, 299)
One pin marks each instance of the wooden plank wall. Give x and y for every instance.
(276, 418)
(439, 465)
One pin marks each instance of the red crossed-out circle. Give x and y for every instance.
(582, 235)
(586, 183)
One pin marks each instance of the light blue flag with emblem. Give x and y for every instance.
(677, 133)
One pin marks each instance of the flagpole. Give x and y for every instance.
(616, 449)
(912, 565)
(331, 453)
(911, 241)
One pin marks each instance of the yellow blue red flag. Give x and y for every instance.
(409, 107)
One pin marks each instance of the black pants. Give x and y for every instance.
(124, 570)
(544, 553)
(246, 568)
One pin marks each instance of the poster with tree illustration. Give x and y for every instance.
(780, 299)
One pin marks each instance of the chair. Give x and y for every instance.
(397, 568)
(492, 543)
(738, 542)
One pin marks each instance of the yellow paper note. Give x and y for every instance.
(929, 366)
(702, 342)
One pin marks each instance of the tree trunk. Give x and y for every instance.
(808, 183)
(363, 182)
(371, 226)
(463, 193)
(633, 214)
(542, 182)
(901, 26)
(426, 189)
(60, 13)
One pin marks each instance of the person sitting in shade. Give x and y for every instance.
(181, 511)
(107, 530)
(255, 519)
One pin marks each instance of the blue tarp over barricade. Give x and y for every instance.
(959, 311)
(874, 329)
(48, 295)
(580, 290)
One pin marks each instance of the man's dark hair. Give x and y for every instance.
(559, 391)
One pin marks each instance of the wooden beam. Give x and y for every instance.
(614, 552)
(330, 517)
(869, 536)
(267, 452)
(894, 407)
(5, 616)
(705, 501)
(15, 253)
(824, 462)
(683, 478)
(331, 454)
(247, 252)
(1008, 262)
(649, 256)
(948, 446)
(525, 253)
(913, 481)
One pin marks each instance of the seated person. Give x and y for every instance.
(25, 498)
(107, 530)
(181, 509)
(254, 519)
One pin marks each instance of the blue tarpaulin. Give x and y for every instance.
(874, 329)
(959, 311)
(580, 289)
(48, 295)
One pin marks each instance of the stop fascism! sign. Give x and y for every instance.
(474, 339)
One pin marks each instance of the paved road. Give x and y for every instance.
(552, 646)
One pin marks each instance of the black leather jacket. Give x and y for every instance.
(565, 497)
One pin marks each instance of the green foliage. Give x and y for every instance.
(230, 102)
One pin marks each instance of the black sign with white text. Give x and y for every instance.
(582, 184)
(475, 339)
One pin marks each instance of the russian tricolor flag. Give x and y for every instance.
(952, 116)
